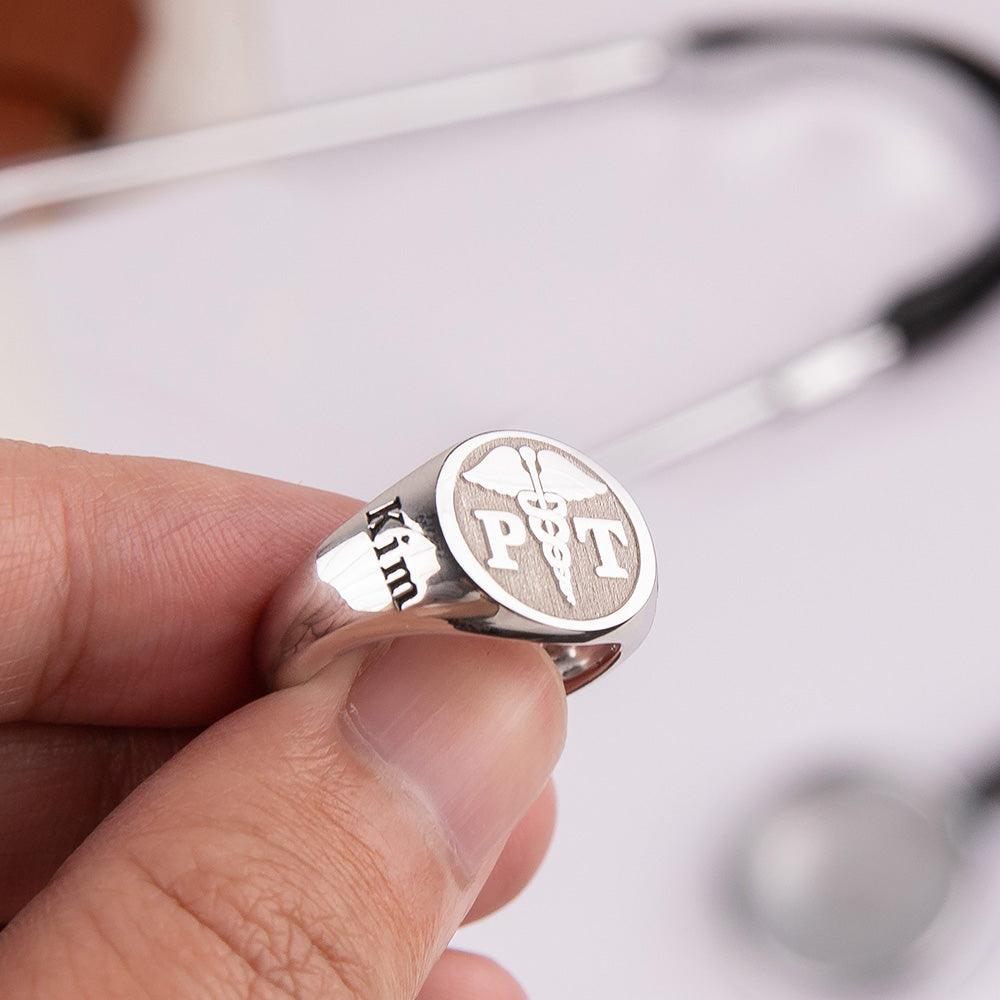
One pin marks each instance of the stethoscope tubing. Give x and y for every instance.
(910, 321)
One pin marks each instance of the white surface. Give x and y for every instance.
(828, 587)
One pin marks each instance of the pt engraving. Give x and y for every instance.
(544, 483)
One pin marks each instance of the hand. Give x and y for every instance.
(321, 841)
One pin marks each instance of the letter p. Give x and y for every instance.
(504, 531)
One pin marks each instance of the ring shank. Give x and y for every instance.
(579, 665)
(309, 625)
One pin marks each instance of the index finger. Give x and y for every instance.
(130, 588)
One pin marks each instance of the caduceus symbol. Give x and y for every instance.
(542, 483)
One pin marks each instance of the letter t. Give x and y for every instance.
(603, 530)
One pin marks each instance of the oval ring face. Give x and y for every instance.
(544, 532)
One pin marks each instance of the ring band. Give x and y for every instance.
(508, 535)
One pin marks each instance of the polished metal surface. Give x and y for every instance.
(509, 535)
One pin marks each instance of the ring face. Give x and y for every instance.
(544, 532)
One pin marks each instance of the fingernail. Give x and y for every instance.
(472, 727)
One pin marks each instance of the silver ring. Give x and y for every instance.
(508, 535)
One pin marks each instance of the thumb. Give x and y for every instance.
(324, 841)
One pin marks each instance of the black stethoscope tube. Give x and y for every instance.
(924, 313)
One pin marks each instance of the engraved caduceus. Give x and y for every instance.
(543, 483)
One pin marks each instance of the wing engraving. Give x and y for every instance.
(501, 471)
(560, 476)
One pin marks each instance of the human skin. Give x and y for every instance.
(170, 829)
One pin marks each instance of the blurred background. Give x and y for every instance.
(767, 800)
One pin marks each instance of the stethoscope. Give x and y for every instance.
(919, 317)
(856, 875)
(845, 910)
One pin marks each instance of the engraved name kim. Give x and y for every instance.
(387, 565)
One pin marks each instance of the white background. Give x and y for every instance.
(828, 587)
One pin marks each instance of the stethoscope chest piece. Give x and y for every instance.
(847, 872)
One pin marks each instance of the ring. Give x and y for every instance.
(507, 535)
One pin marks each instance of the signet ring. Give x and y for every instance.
(507, 535)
